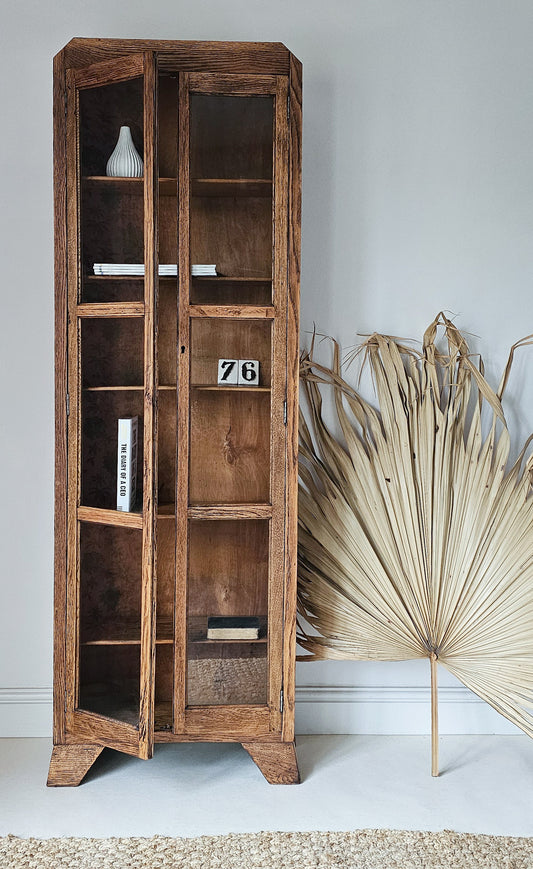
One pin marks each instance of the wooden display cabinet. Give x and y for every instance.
(213, 533)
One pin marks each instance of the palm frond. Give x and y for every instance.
(415, 537)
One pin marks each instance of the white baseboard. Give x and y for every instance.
(25, 712)
(319, 709)
(394, 710)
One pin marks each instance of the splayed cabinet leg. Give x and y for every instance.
(276, 760)
(70, 763)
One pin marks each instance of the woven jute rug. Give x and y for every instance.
(364, 849)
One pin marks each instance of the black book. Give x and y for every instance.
(232, 628)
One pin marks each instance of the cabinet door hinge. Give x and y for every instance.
(68, 404)
(285, 412)
(281, 700)
(288, 106)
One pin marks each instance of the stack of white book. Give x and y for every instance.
(134, 269)
(202, 271)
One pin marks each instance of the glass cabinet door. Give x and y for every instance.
(112, 274)
(233, 372)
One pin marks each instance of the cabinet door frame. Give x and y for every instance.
(243, 721)
(81, 725)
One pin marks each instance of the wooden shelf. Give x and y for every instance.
(126, 388)
(231, 187)
(128, 634)
(200, 186)
(135, 186)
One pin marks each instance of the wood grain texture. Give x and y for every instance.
(225, 57)
(228, 568)
(89, 727)
(73, 390)
(60, 496)
(234, 233)
(182, 469)
(69, 764)
(110, 517)
(232, 312)
(111, 309)
(230, 438)
(110, 72)
(234, 85)
(230, 720)
(278, 432)
(293, 351)
(278, 762)
(220, 735)
(150, 426)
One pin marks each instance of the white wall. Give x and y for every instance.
(418, 196)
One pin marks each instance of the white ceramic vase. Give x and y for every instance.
(125, 162)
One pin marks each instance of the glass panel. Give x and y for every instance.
(230, 424)
(111, 214)
(112, 389)
(110, 627)
(231, 147)
(228, 578)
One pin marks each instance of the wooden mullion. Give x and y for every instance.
(243, 312)
(73, 387)
(182, 470)
(293, 316)
(61, 375)
(91, 727)
(110, 517)
(230, 511)
(244, 721)
(279, 391)
(148, 602)
(111, 309)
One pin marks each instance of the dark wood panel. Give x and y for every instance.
(231, 57)
(231, 138)
(293, 318)
(60, 496)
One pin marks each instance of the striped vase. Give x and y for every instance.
(125, 161)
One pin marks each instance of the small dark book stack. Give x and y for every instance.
(233, 628)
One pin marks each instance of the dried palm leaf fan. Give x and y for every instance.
(416, 540)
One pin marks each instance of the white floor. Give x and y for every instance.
(348, 783)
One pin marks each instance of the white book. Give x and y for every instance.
(134, 269)
(127, 463)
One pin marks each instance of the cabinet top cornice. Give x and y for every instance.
(189, 56)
